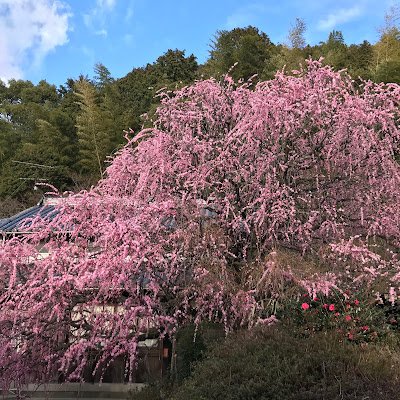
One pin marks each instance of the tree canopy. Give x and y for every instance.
(248, 47)
(183, 225)
(29, 110)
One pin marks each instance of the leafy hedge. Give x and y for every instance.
(272, 363)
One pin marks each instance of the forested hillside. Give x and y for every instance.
(64, 135)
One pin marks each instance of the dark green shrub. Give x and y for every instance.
(154, 391)
(191, 345)
(273, 364)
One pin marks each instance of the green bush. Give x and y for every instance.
(273, 364)
(356, 318)
(154, 391)
(191, 347)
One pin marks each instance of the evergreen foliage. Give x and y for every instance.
(274, 364)
(104, 107)
(94, 130)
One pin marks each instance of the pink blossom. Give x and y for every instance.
(305, 306)
(225, 174)
(392, 295)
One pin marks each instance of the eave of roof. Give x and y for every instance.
(20, 222)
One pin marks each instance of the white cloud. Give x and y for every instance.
(106, 4)
(129, 13)
(339, 17)
(96, 18)
(29, 30)
(102, 32)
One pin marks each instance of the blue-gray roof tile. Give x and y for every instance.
(20, 222)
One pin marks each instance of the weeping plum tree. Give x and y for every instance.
(168, 236)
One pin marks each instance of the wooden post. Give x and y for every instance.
(173, 359)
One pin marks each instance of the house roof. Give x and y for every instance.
(20, 222)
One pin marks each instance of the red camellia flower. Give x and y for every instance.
(325, 306)
(356, 302)
(365, 328)
(347, 318)
(305, 306)
(331, 307)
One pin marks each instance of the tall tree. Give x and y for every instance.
(387, 49)
(334, 50)
(94, 126)
(136, 92)
(174, 67)
(296, 34)
(294, 54)
(102, 77)
(37, 138)
(247, 47)
(360, 59)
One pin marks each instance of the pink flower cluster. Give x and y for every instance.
(167, 237)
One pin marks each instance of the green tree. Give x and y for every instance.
(45, 157)
(248, 47)
(174, 67)
(102, 77)
(135, 94)
(94, 125)
(334, 50)
(360, 59)
(387, 57)
(43, 93)
(387, 49)
(292, 55)
(34, 140)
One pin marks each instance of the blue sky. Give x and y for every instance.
(60, 39)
